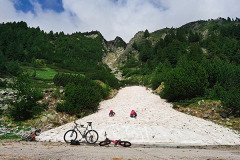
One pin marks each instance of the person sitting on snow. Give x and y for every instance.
(111, 113)
(133, 114)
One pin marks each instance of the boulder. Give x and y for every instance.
(51, 116)
(229, 123)
(1, 100)
(61, 91)
(206, 116)
(4, 107)
(44, 119)
(11, 93)
(223, 115)
(3, 92)
(21, 133)
(40, 102)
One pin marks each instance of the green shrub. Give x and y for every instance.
(215, 93)
(105, 77)
(82, 97)
(68, 108)
(3, 84)
(62, 79)
(230, 100)
(185, 83)
(106, 90)
(56, 94)
(3, 68)
(146, 80)
(130, 81)
(79, 98)
(224, 84)
(156, 81)
(160, 73)
(26, 105)
(34, 73)
(25, 109)
(60, 107)
(1, 111)
(13, 68)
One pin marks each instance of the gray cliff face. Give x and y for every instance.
(114, 50)
(129, 49)
(118, 51)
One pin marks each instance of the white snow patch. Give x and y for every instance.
(156, 123)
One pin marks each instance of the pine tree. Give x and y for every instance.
(146, 34)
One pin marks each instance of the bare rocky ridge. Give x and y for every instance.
(116, 56)
(111, 60)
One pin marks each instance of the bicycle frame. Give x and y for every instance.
(31, 136)
(107, 141)
(87, 133)
(82, 126)
(116, 142)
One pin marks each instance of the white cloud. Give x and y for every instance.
(121, 18)
(7, 11)
(46, 19)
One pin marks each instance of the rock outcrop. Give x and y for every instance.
(118, 52)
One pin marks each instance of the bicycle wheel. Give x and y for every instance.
(70, 135)
(125, 144)
(104, 143)
(91, 136)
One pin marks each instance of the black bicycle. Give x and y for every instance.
(91, 136)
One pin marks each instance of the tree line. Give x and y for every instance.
(22, 45)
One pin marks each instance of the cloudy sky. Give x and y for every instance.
(114, 18)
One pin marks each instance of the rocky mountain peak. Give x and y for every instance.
(118, 52)
(118, 42)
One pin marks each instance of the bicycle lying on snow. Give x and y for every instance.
(107, 141)
(32, 135)
(91, 136)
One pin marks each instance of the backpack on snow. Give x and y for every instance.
(74, 142)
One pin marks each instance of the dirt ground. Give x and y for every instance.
(11, 150)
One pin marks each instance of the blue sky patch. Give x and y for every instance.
(27, 5)
(23, 5)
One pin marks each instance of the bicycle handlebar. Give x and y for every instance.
(78, 124)
(89, 124)
(75, 123)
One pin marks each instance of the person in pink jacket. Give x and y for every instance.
(133, 114)
(111, 113)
